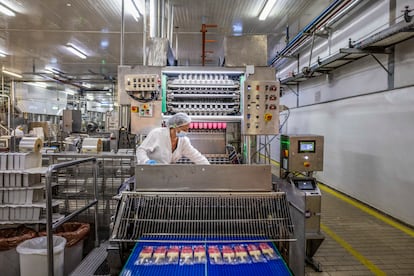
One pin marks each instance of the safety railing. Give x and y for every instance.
(51, 225)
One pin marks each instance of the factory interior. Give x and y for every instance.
(303, 109)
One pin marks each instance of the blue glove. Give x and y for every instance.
(151, 162)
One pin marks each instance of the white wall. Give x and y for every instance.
(368, 147)
(368, 128)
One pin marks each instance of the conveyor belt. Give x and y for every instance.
(268, 267)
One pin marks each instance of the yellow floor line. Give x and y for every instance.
(368, 210)
(409, 231)
(351, 250)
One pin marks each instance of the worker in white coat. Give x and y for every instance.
(166, 145)
(18, 132)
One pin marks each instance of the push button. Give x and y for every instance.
(268, 117)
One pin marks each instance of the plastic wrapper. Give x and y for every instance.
(214, 255)
(229, 256)
(144, 257)
(255, 253)
(173, 254)
(268, 251)
(200, 254)
(186, 256)
(241, 254)
(158, 257)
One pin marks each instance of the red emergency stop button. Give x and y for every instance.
(306, 164)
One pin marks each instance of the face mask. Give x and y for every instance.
(181, 134)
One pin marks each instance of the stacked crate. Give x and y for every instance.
(21, 189)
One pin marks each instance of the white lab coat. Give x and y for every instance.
(157, 146)
(17, 133)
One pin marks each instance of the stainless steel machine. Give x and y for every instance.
(207, 205)
(300, 156)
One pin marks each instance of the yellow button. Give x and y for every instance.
(268, 117)
(306, 164)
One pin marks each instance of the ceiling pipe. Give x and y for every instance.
(121, 55)
(333, 9)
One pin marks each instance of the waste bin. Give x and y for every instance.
(33, 256)
(74, 233)
(9, 239)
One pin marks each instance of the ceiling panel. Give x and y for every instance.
(36, 36)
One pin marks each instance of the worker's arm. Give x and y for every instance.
(147, 146)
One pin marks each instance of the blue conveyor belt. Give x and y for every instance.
(270, 267)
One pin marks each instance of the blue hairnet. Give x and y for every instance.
(177, 120)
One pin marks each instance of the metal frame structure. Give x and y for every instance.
(50, 225)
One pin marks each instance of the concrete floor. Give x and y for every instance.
(360, 240)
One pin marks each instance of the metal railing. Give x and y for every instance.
(50, 225)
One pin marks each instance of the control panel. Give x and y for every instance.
(143, 109)
(301, 153)
(141, 82)
(261, 108)
(142, 87)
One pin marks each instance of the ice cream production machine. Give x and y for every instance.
(226, 105)
(183, 207)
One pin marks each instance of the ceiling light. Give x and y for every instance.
(5, 10)
(10, 73)
(75, 50)
(133, 8)
(86, 85)
(52, 70)
(2, 54)
(266, 10)
(70, 91)
(38, 84)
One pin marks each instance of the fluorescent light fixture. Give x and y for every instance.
(52, 70)
(6, 10)
(38, 84)
(133, 9)
(2, 54)
(75, 50)
(70, 91)
(86, 84)
(12, 74)
(266, 10)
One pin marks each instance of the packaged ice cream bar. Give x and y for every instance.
(186, 256)
(268, 251)
(145, 255)
(200, 254)
(214, 255)
(241, 254)
(158, 257)
(173, 254)
(228, 254)
(255, 253)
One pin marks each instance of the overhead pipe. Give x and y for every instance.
(314, 24)
(121, 55)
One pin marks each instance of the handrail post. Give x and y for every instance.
(95, 191)
(49, 214)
